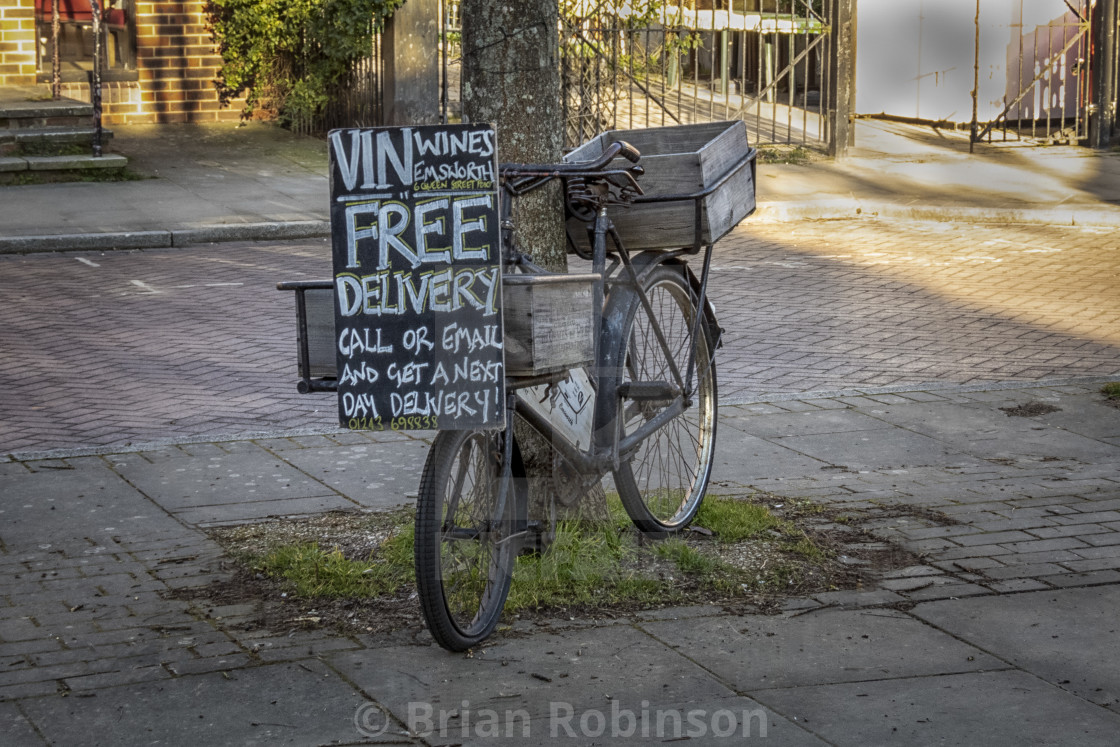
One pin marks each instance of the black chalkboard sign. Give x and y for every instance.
(417, 273)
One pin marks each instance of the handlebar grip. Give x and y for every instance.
(628, 151)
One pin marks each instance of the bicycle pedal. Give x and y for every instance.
(649, 390)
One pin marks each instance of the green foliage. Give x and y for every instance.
(1112, 390)
(734, 521)
(316, 572)
(287, 56)
(687, 559)
(587, 564)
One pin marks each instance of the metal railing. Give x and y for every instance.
(628, 65)
(1049, 97)
(642, 63)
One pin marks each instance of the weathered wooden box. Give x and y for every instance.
(549, 322)
(684, 159)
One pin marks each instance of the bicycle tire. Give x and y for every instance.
(662, 480)
(463, 580)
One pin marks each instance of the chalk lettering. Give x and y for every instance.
(456, 338)
(415, 245)
(416, 340)
(353, 341)
(409, 373)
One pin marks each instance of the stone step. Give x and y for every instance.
(24, 108)
(10, 165)
(52, 135)
(32, 123)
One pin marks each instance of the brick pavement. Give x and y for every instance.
(823, 306)
(1020, 503)
(107, 349)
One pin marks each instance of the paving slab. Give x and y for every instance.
(800, 423)
(584, 667)
(744, 459)
(991, 708)
(986, 432)
(179, 484)
(292, 703)
(16, 729)
(877, 449)
(1087, 416)
(601, 672)
(1068, 637)
(825, 646)
(58, 506)
(240, 513)
(952, 419)
(379, 475)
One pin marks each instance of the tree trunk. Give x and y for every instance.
(511, 78)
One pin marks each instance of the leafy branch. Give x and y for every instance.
(287, 56)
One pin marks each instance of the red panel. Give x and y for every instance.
(79, 11)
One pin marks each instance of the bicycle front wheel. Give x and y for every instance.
(663, 479)
(463, 551)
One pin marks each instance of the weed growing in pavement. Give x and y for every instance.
(1111, 390)
(796, 156)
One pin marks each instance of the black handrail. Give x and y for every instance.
(95, 77)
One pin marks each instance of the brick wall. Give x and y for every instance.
(175, 62)
(17, 42)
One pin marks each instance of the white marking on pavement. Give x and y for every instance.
(206, 285)
(144, 286)
(85, 261)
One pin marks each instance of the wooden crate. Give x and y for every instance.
(678, 160)
(549, 322)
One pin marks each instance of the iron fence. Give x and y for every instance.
(629, 65)
(646, 63)
(1049, 88)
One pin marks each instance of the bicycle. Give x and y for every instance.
(652, 378)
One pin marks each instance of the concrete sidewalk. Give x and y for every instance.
(220, 182)
(1003, 633)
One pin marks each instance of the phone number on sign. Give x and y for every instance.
(409, 423)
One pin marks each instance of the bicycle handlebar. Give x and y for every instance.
(612, 151)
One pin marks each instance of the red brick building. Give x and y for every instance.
(159, 62)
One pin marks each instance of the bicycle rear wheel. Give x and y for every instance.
(463, 552)
(663, 479)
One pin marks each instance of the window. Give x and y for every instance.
(75, 38)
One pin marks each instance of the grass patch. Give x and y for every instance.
(591, 565)
(734, 521)
(317, 572)
(795, 156)
(1111, 390)
(687, 558)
